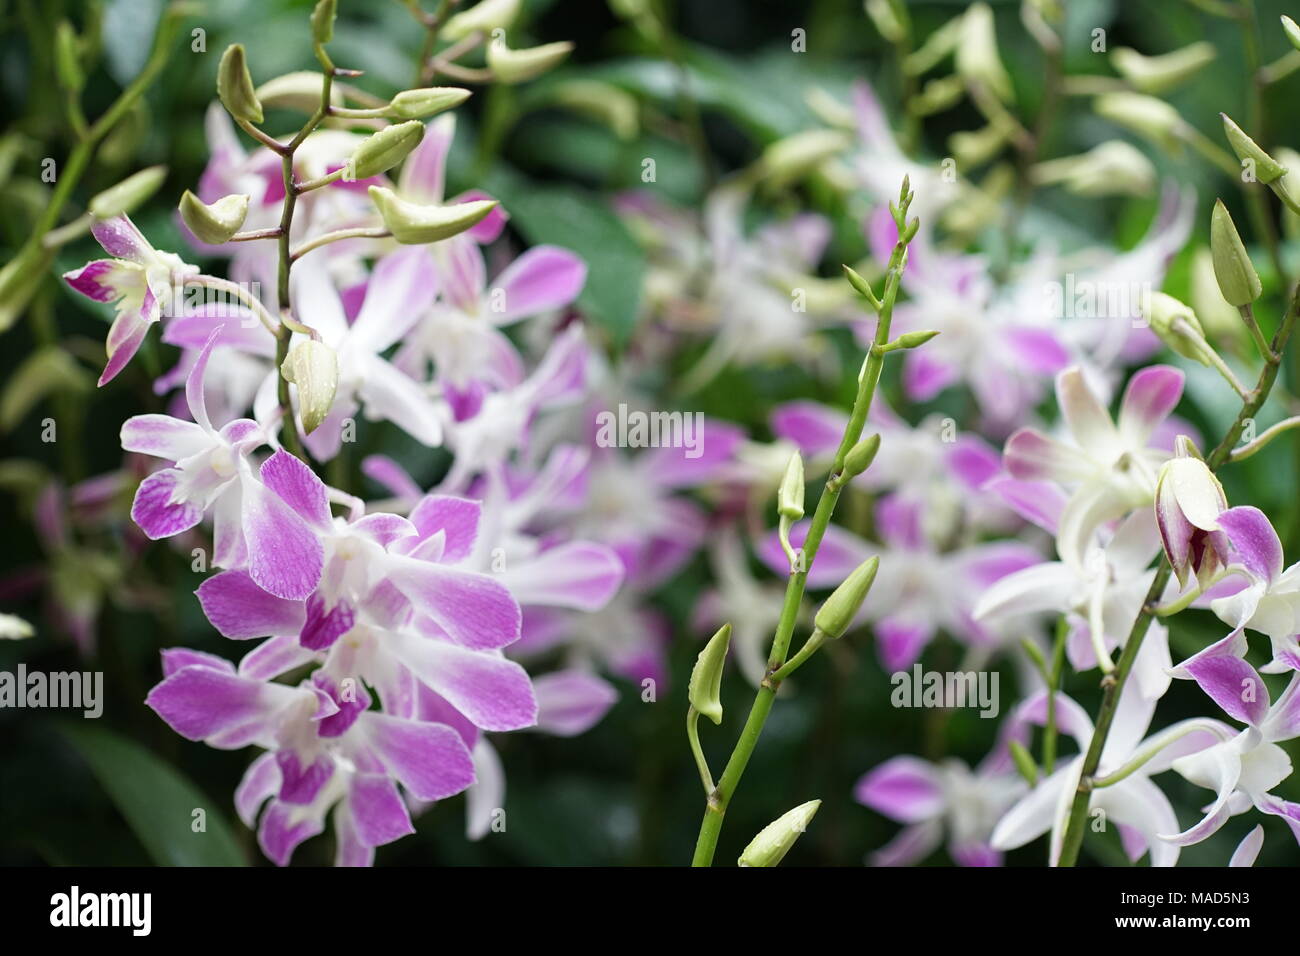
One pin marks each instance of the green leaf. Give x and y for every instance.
(156, 800)
(582, 222)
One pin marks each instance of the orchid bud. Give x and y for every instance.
(128, 194)
(314, 368)
(614, 107)
(789, 499)
(322, 21)
(299, 90)
(1221, 321)
(793, 157)
(1176, 325)
(1232, 266)
(976, 147)
(415, 225)
(235, 86)
(977, 52)
(835, 616)
(1112, 168)
(382, 151)
(519, 66)
(889, 18)
(774, 840)
(1267, 168)
(485, 17)
(1188, 502)
(937, 95)
(423, 103)
(1292, 31)
(1157, 74)
(67, 58)
(861, 456)
(14, 628)
(913, 340)
(1155, 119)
(705, 688)
(215, 223)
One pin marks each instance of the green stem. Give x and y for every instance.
(810, 647)
(718, 800)
(693, 735)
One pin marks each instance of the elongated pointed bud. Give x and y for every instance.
(1158, 74)
(384, 150)
(861, 456)
(774, 840)
(1267, 168)
(861, 286)
(322, 21)
(128, 194)
(423, 103)
(1237, 278)
(485, 16)
(67, 58)
(519, 66)
(912, 340)
(705, 688)
(835, 616)
(977, 53)
(235, 86)
(1292, 31)
(415, 225)
(789, 500)
(314, 368)
(1175, 324)
(1024, 763)
(215, 223)
(793, 157)
(1220, 320)
(1155, 119)
(889, 18)
(1111, 168)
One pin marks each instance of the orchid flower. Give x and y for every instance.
(211, 471)
(1244, 767)
(1110, 467)
(140, 281)
(1134, 803)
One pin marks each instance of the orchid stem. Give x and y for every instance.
(720, 797)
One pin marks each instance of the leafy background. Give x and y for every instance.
(120, 790)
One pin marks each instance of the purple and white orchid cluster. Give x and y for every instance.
(388, 635)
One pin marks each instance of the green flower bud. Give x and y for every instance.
(322, 21)
(889, 18)
(705, 688)
(1221, 321)
(1024, 762)
(519, 66)
(789, 499)
(977, 53)
(216, 223)
(790, 159)
(14, 628)
(1232, 266)
(314, 368)
(1292, 31)
(861, 456)
(1157, 74)
(415, 225)
(485, 17)
(1155, 119)
(1112, 168)
(128, 194)
(774, 840)
(299, 90)
(605, 102)
(423, 103)
(67, 58)
(382, 151)
(1176, 325)
(235, 86)
(1267, 168)
(973, 148)
(835, 616)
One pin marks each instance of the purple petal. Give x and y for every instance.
(261, 780)
(815, 428)
(283, 828)
(163, 437)
(1032, 456)
(458, 517)
(974, 462)
(899, 642)
(284, 555)
(299, 486)
(273, 657)
(577, 574)
(1233, 684)
(570, 702)
(322, 628)
(377, 809)
(1040, 502)
(1151, 395)
(175, 658)
(299, 782)
(103, 279)
(542, 279)
(430, 760)
(122, 240)
(474, 609)
(494, 693)
(905, 789)
(156, 513)
(713, 448)
(401, 289)
(202, 702)
(1254, 542)
(239, 609)
(926, 375)
(1038, 350)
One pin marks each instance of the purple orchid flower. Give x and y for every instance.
(139, 280)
